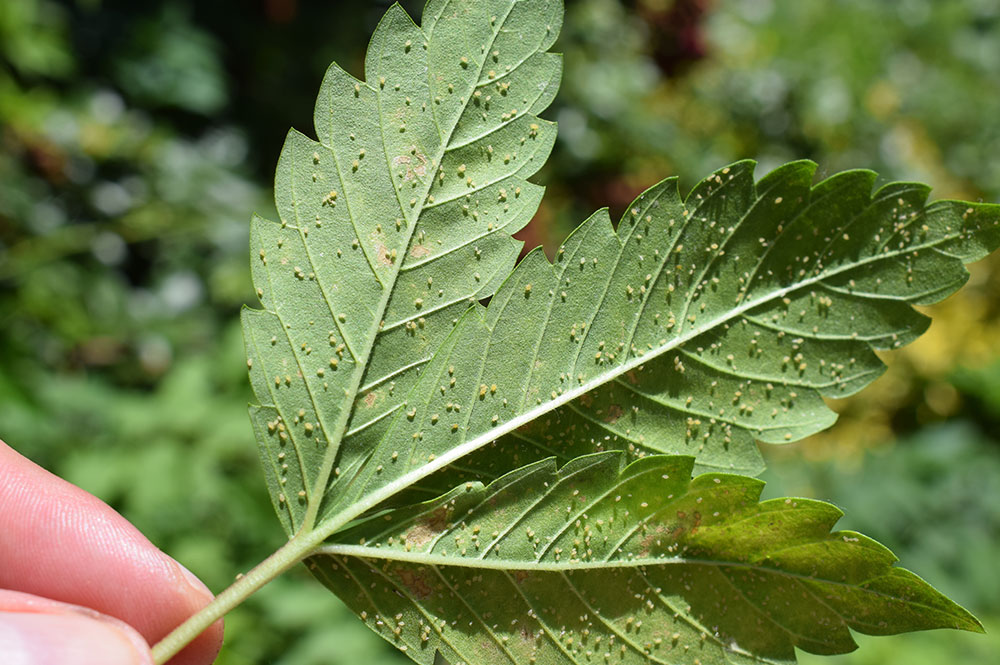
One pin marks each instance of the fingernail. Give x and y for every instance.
(68, 639)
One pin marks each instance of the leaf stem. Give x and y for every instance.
(289, 554)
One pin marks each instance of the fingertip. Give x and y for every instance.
(206, 646)
(153, 593)
(69, 639)
(192, 580)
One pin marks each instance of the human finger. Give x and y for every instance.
(41, 631)
(61, 542)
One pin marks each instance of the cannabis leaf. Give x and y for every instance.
(399, 354)
(391, 224)
(595, 563)
(697, 326)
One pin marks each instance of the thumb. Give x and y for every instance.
(39, 631)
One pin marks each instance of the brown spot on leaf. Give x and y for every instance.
(415, 582)
(654, 537)
(425, 531)
(416, 166)
(382, 255)
(615, 412)
(586, 400)
(418, 251)
(690, 525)
(369, 399)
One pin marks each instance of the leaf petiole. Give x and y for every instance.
(295, 550)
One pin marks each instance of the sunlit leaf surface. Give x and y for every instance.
(400, 356)
(594, 563)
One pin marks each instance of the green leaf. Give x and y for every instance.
(673, 341)
(595, 563)
(391, 225)
(697, 326)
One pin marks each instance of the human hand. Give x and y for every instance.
(79, 585)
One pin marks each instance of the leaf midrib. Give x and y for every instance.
(570, 565)
(443, 460)
(318, 490)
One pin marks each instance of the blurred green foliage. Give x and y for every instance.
(136, 138)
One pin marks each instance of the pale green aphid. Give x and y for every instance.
(513, 483)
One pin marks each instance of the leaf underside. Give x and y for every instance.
(595, 563)
(695, 327)
(396, 220)
(698, 326)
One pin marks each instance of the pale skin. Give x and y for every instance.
(79, 585)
